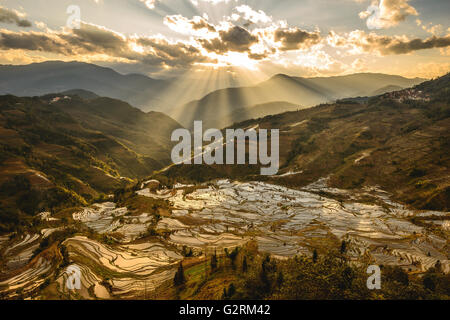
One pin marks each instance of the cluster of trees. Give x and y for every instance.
(332, 276)
(326, 275)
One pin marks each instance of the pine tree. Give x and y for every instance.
(264, 277)
(179, 278)
(233, 255)
(343, 246)
(280, 279)
(225, 294)
(315, 256)
(214, 262)
(438, 266)
(231, 291)
(244, 265)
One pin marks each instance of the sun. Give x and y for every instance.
(231, 59)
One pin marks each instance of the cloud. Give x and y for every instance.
(14, 17)
(197, 26)
(92, 41)
(246, 38)
(235, 39)
(360, 42)
(196, 2)
(33, 41)
(149, 3)
(383, 14)
(259, 38)
(224, 44)
(247, 16)
(296, 38)
(430, 28)
(158, 50)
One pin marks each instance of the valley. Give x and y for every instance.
(224, 158)
(360, 183)
(118, 257)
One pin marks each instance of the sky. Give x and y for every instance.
(248, 39)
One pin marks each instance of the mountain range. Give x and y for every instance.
(217, 107)
(226, 106)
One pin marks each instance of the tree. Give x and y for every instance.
(244, 265)
(187, 253)
(343, 246)
(179, 278)
(396, 274)
(429, 281)
(233, 255)
(438, 266)
(214, 262)
(225, 294)
(264, 276)
(280, 279)
(231, 290)
(315, 256)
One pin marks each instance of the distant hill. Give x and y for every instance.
(386, 89)
(399, 141)
(63, 150)
(55, 77)
(139, 90)
(218, 108)
(85, 94)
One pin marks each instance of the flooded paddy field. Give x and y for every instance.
(118, 259)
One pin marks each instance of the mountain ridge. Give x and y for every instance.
(216, 108)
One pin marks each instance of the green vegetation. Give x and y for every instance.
(331, 275)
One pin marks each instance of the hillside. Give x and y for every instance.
(398, 141)
(224, 107)
(59, 151)
(145, 133)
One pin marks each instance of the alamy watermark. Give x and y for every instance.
(234, 143)
(374, 17)
(74, 19)
(374, 281)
